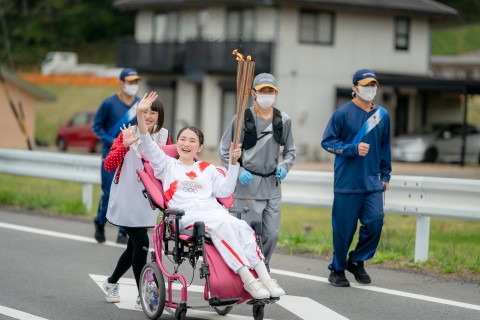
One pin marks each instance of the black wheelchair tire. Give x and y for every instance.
(152, 269)
(258, 311)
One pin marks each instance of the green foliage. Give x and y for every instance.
(36, 27)
(456, 40)
(468, 10)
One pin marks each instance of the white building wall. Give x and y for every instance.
(211, 111)
(185, 96)
(188, 25)
(144, 26)
(308, 74)
(266, 24)
(215, 27)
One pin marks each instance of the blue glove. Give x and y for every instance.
(245, 177)
(281, 172)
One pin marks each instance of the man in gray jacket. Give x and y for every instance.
(264, 131)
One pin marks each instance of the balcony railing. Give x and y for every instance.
(153, 57)
(192, 56)
(216, 57)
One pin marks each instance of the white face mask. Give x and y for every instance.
(131, 89)
(367, 93)
(265, 100)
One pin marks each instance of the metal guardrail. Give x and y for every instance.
(423, 197)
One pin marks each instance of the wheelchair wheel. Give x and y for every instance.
(152, 291)
(258, 311)
(223, 310)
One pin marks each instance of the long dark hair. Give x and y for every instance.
(197, 131)
(157, 106)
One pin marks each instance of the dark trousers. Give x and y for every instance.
(134, 256)
(347, 209)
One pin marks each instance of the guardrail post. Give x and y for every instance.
(422, 238)
(87, 192)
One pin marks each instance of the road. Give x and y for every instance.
(51, 269)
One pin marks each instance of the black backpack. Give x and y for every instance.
(250, 130)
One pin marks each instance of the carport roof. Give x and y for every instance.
(426, 83)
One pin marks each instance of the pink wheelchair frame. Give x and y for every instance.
(223, 287)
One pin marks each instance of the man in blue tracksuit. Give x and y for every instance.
(113, 113)
(358, 133)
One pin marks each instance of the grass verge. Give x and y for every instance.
(453, 252)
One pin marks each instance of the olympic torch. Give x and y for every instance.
(245, 71)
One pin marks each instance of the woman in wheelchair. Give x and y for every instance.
(194, 186)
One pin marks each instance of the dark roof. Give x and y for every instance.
(425, 83)
(424, 7)
(34, 90)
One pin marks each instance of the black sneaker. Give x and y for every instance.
(338, 279)
(359, 272)
(99, 232)
(122, 238)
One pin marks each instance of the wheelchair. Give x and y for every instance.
(223, 288)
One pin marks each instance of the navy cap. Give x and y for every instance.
(129, 74)
(364, 76)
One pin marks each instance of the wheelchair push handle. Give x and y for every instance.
(178, 213)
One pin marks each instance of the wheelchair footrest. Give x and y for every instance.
(263, 301)
(216, 302)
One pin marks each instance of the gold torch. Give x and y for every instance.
(245, 69)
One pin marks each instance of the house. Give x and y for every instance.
(183, 49)
(464, 66)
(17, 114)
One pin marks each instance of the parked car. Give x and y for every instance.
(77, 132)
(438, 142)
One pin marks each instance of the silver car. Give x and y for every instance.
(437, 142)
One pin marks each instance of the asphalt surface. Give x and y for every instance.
(51, 268)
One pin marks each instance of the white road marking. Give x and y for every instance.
(382, 290)
(58, 234)
(308, 309)
(274, 271)
(20, 315)
(129, 292)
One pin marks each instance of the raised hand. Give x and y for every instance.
(128, 135)
(146, 102)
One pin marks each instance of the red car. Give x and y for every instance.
(77, 132)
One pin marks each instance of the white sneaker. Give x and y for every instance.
(112, 295)
(138, 303)
(257, 290)
(273, 288)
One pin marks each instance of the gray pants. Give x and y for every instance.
(268, 213)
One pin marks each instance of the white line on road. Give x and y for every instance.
(382, 290)
(276, 271)
(20, 315)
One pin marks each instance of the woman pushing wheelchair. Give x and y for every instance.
(194, 186)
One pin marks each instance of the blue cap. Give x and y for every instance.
(129, 74)
(364, 76)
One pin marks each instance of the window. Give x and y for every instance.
(240, 24)
(402, 33)
(166, 27)
(316, 27)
